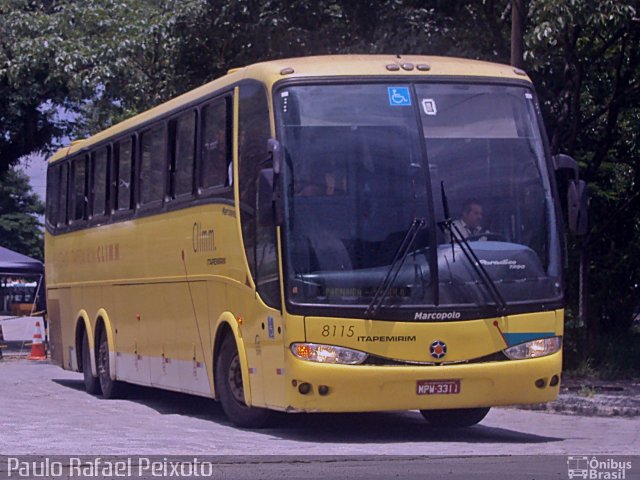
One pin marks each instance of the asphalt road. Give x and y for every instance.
(45, 410)
(45, 415)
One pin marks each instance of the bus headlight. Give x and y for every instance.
(534, 348)
(315, 352)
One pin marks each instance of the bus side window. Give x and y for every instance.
(215, 151)
(183, 146)
(123, 153)
(53, 194)
(99, 162)
(152, 165)
(79, 190)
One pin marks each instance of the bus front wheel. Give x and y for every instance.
(231, 391)
(455, 417)
(110, 388)
(91, 383)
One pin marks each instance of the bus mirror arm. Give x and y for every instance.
(275, 152)
(562, 162)
(270, 198)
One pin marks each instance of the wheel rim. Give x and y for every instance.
(103, 360)
(235, 380)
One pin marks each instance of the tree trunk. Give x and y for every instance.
(517, 32)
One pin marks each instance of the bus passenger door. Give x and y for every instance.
(255, 191)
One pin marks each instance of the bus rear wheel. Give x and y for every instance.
(110, 388)
(231, 391)
(91, 383)
(455, 417)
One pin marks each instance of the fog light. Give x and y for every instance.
(540, 383)
(304, 388)
(323, 390)
(554, 381)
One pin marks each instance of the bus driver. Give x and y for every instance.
(469, 223)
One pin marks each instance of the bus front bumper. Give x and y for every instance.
(362, 388)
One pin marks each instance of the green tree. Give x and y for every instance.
(72, 68)
(20, 228)
(27, 87)
(584, 57)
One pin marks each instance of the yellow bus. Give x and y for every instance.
(322, 234)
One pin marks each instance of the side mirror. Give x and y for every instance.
(574, 192)
(577, 208)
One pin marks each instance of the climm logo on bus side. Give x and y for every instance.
(203, 239)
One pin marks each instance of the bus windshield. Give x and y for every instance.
(366, 163)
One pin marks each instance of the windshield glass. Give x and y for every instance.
(366, 162)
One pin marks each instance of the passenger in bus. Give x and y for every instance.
(324, 179)
(317, 244)
(469, 223)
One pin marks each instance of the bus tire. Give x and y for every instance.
(455, 417)
(110, 388)
(231, 391)
(91, 383)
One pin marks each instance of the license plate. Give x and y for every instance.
(438, 387)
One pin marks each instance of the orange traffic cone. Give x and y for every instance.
(37, 347)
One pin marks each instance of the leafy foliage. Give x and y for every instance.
(20, 229)
(585, 61)
(28, 84)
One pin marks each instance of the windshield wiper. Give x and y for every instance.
(456, 236)
(394, 269)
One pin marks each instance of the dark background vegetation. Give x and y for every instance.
(100, 61)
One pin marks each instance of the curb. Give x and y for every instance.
(594, 398)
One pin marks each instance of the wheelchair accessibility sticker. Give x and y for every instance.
(399, 96)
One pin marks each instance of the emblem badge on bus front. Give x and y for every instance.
(438, 349)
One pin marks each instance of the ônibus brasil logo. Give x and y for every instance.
(594, 468)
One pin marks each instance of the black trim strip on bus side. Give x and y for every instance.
(408, 313)
(138, 214)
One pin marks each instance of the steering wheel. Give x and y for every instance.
(487, 236)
